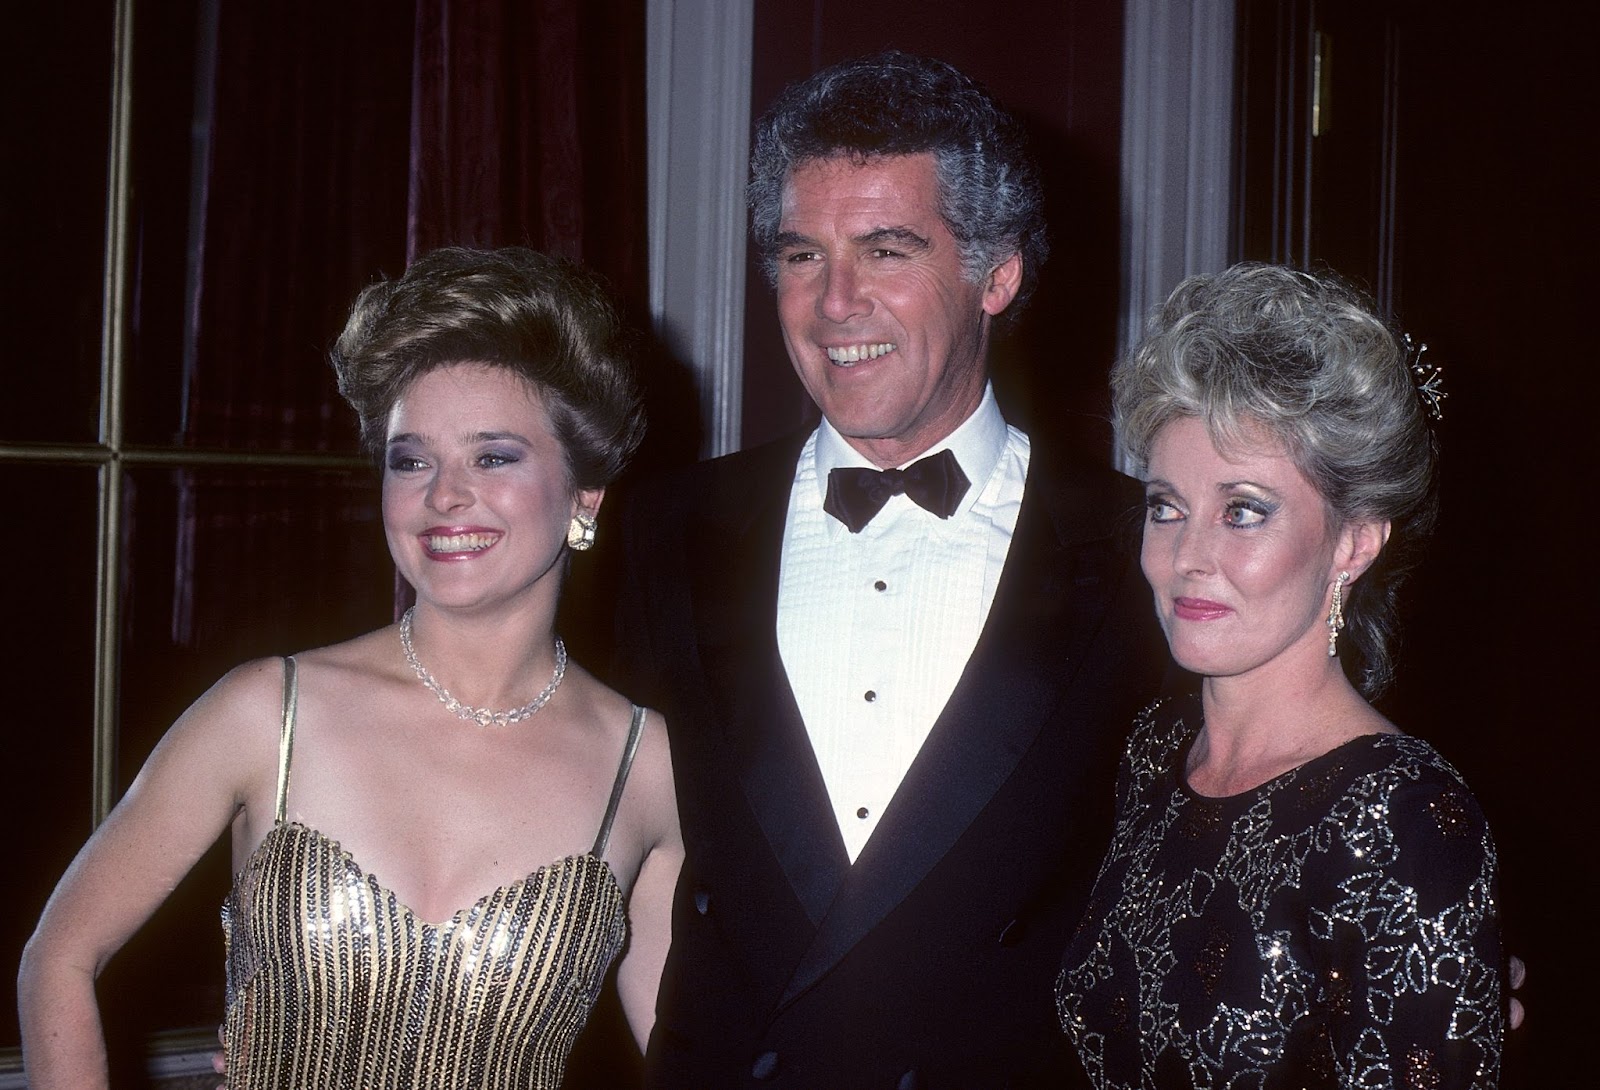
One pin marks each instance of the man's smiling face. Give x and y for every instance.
(887, 334)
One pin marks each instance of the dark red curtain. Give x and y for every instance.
(330, 144)
(296, 197)
(528, 126)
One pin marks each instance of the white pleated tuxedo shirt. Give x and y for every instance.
(875, 628)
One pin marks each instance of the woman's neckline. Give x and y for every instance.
(1181, 761)
(287, 826)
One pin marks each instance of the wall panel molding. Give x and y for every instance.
(1177, 148)
(699, 109)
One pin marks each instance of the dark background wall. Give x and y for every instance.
(1497, 237)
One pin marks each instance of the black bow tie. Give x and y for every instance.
(935, 483)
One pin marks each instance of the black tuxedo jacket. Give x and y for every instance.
(931, 962)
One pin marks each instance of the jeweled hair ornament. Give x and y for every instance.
(1428, 379)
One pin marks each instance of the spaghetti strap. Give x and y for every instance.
(635, 729)
(291, 692)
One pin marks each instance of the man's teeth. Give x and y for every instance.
(855, 353)
(460, 543)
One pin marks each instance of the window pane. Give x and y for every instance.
(54, 110)
(271, 147)
(229, 563)
(47, 647)
(222, 565)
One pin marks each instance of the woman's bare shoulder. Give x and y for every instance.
(655, 772)
(339, 670)
(259, 683)
(650, 779)
(611, 716)
(225, 743)
(254, 693)
(241, 696)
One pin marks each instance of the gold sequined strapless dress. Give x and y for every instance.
(332, 982)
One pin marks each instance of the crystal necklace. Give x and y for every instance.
(484, 717)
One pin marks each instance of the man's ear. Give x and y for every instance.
(1359, 545)
(1002, 285)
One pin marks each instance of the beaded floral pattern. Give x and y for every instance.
(1334, 927)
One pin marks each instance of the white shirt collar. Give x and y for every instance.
(978, 442)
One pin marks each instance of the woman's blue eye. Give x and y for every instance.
(404, 463)
(494, 459)
(1243, 513)
(1161, 510)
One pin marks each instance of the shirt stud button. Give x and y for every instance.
(861, 812)
(880, 585)
(870, 696)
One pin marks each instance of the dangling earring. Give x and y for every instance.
(580, 532)
(1336, 614)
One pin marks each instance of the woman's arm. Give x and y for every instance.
(1420, 940)
(192, 786)
(650, 903)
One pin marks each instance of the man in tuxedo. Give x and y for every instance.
(896, 699)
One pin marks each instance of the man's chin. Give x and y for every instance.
(860, 427)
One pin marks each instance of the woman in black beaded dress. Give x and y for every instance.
(1297, 893)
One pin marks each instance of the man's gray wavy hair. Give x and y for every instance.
(894, 103)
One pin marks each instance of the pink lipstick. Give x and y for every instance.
(1199, 609)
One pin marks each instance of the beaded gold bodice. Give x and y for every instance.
(333, 982)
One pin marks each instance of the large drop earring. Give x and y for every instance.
(1336, 614)
(580, 532)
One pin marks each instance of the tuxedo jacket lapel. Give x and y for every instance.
(739, 541)
(1046, 606)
